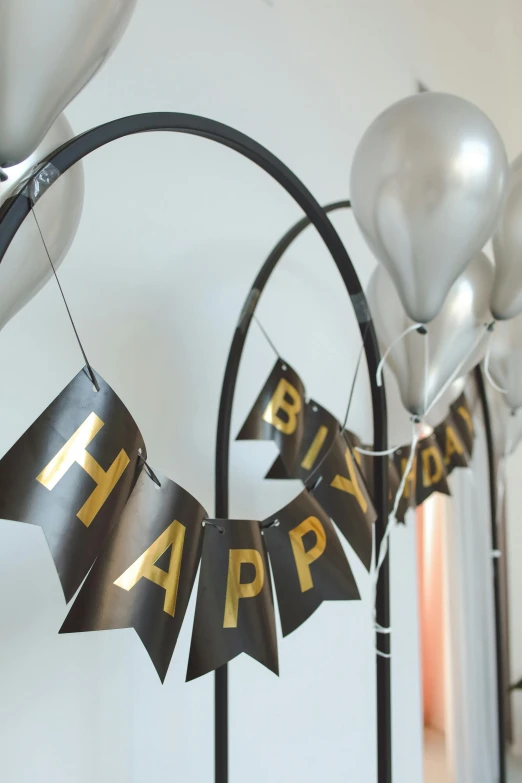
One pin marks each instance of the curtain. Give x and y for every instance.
(430, 546)
(471, 701)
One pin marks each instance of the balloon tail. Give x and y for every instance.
(486, 367)
(380, 366)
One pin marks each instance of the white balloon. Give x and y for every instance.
(25, 268)
(506, 425)
(514, 433)
(427, 185)
(440, 410)
(506, 300)
(457, 337)
(505, 360)
(49, 50)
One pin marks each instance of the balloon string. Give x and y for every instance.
(486, 366)
(392, 522)
(456, 372)
(426, 368)
(380, 366)
(385, 453)
(87, 363)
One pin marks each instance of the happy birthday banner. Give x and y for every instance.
(134, 540)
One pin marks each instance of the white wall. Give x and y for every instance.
(173, 232)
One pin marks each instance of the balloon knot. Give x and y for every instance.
(422, 330)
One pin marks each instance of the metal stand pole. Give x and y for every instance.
(501, 684)
(381, 470)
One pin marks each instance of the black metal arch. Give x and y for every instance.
(497, 577)
(384, 749)
(17, 208)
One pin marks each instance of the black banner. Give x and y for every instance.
(454, 452)
(144, 576)
(464, 422)
(339, 487)
(278, 414)
(431, 472)
(319, 431)
(234, 608)
(137, 538)
(72, 472)
(308, 561)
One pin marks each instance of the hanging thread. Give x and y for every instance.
(267, 338)
(87, 363)
(356, 373)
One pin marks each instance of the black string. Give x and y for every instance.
(148, 470)
(220, 529)
(268, 525)
(91, 372)
(319, 479)
(357, 366)
(267, 338)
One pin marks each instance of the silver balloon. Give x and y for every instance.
(505, 360)
(427, 185)
(49, 50)
(25, 267)
(456, 339)
(440, 409)
(506, 300)
(506, 425)
(514, 433)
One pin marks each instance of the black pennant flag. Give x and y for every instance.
(339, 487)
(464, 422)
(366, 464)
(319, 431)
(431, 472)
(453, 450)
(234, 608)
(72, 472)
(278, 413)
(144, 576)
(308, 561)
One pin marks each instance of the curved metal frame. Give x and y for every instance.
(380, 441)
(17, 208)
(495, 544)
